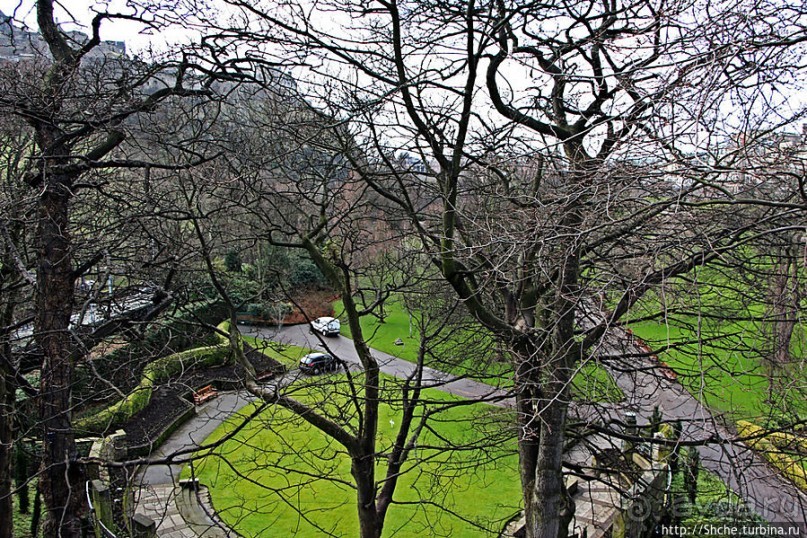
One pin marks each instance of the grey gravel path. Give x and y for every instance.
(765, 491)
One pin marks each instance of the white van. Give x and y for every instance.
(326, 326)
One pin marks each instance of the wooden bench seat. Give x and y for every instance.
(208, 392)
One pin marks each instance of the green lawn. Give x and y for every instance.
(451, 353)
(294, 481)
(592, 382)
(721, 364)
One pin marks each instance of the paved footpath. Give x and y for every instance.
(766, 492)
(183, 512)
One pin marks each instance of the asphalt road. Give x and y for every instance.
(765, 492)
(342, 348)
(747, 474)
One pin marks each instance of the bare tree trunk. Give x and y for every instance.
(541, 422)
(363, 470)
(61, 477)
(784, 306)
(6, 449)
(548, 501)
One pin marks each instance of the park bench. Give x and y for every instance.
(208, 392)
(267, 374)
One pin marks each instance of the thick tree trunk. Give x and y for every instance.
(549, 503)
(529, 428)
(61, 480)
(541, 424)
(549, 507)
(363, 470)
(6, 451)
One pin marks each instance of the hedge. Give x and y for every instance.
(179, 331)
(766, 444)
(788, 441)
(154, 373)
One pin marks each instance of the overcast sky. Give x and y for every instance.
(138, 39)
(80, 14)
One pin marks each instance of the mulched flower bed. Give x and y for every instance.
(170, 400)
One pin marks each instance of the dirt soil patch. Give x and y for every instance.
(312, 305)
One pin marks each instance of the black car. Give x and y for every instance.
(315, 363)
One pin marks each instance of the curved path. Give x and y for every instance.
(342, 348)
(160, 492)
(764, 490)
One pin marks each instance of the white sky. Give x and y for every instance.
(136, 35)
(139, 39)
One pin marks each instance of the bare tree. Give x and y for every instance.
(601, 104)
(75, 98)
(292, 188)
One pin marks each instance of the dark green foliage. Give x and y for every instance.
(675, 456)
(305, 274)
(691, 474)
(259, 285)
(280, 269)
(716, 506)
(232, 261)
(655, 421)
(271, 311)
(243, 289)
(22, 468)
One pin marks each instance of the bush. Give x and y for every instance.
(763, 443)
(154, 373)
(268, 311)
(232, 261)
(305, 273)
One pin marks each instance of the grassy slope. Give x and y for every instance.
(727, 374)
(592, 383)
(294, 474)
(725, 381)
(382, 336)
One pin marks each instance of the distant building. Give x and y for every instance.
(18, 44)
